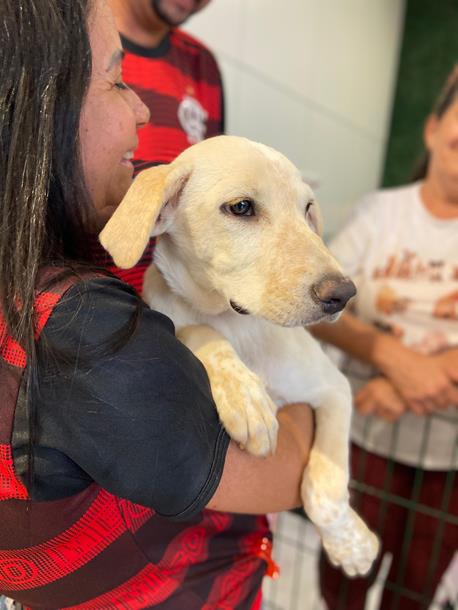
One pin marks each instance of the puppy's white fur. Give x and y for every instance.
(265, 264)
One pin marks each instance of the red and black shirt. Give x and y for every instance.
(128, 450)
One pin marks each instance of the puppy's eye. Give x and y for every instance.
(308, 206)
(245, 207)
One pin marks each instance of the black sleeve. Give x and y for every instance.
(139, 418)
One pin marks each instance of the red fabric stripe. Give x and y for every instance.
(155, 583)
(134, 515)
(10, 485)
(133, 277)
(231, 587)
(10, 350)
(257, 602)
(164, 81)
(42, 564)
(163, 143)
(44, 304)
(145, 74)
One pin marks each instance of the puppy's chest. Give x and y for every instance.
(278, 356)
(285, 359)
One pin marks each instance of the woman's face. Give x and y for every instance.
(110, 117)
(441, 135)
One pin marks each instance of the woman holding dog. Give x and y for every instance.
(110, 447)
(400, 347)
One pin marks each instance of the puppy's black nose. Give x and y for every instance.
(333, 292)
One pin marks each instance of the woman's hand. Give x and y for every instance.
(448, 360)
(379, 397)
(424, 382)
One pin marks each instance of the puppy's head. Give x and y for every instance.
(240, 219)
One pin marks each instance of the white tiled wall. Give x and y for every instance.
(313, 78)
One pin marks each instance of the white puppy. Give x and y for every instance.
(240, 269)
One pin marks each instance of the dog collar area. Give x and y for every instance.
(239, 309)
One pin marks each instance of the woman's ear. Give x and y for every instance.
(138, 216)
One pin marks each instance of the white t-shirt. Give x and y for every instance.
(404, 262)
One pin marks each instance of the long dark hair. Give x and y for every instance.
(45, 63)
(446, 98)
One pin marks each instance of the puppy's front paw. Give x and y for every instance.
(244, 407)
(351, 544)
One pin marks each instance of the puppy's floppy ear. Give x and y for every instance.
(127, 233)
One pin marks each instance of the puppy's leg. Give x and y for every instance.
(244, 407)
(346, 538)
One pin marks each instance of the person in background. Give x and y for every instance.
(111, 450)
(400, 351)
(177, 78)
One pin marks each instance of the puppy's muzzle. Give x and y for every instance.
(332, 293)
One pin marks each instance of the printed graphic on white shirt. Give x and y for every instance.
(416, 300)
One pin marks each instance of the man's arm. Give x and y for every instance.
(255, 485)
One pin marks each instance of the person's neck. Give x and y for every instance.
(145, 30)
(440, 197)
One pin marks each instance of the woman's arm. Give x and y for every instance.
(263, 485)
(423, 381)
(351, 335)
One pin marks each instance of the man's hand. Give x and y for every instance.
(379, 397)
